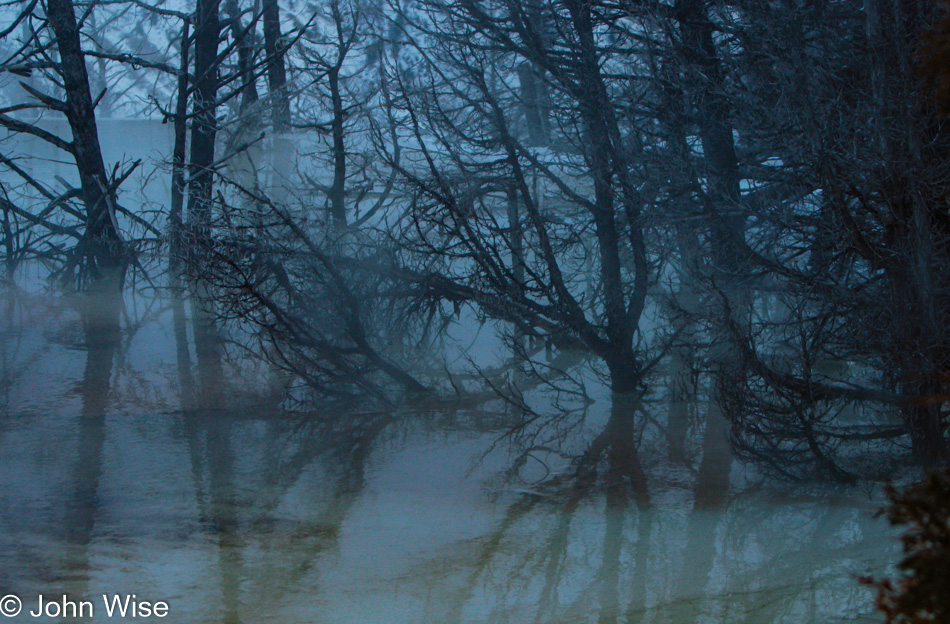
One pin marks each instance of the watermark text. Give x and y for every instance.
(123, 606)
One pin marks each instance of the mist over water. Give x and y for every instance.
(515, 311)
(135, 464)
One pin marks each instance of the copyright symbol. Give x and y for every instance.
(10, 606)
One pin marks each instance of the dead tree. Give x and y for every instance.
(101, 248)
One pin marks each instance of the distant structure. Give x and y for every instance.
(122, 140)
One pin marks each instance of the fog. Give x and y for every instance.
(251, 512)
(496, 311)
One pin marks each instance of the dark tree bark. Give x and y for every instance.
(536, 109)
(276, 69)
(605, 318)
(724, 217)
(178, 150)
(204, 121)
(607, 160)
(103, 244)
(337, 192)
(244, 41)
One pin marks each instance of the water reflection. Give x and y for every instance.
(210, 496)
(99, 309)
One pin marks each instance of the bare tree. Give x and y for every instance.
(101, 249)
(849, 236)
(462, 112)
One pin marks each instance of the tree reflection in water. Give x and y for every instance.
(99, 307)
(218, 498)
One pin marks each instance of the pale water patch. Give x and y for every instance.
(247, 514)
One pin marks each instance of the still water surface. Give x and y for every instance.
(114, 478)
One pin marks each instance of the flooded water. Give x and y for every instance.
(134, 462)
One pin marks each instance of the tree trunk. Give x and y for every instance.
(276, 73)
(178, 151)
(516, 243)
(719, 152)
(606, 159)
(534, 99)
(624, 469)
(338, 189)
(102, 244)
(243, 36)
(725, 221)
(923, 416)
(204, 122)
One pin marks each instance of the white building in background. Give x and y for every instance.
(123, 141)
